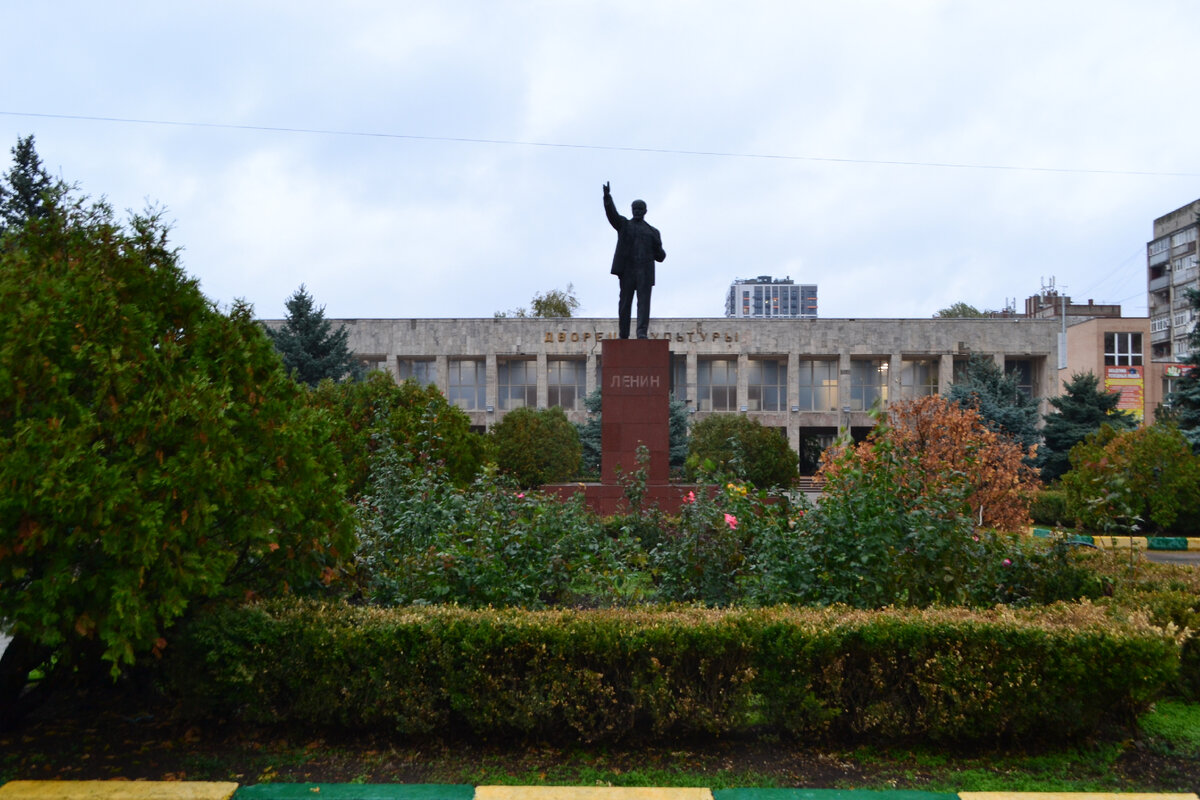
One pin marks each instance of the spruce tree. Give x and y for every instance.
(25, 187)
(1004, 408)
(1081, 410)
(1184, 401)
(311, 349)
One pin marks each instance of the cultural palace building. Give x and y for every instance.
(805, 377)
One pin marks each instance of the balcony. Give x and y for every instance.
(1158, 284)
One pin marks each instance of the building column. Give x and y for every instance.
(442, 368)
(793, 398)
(693, 372)
(945, 372)
(895, 366)
(743, 381)
(492, 375)
(843, 393)
(543, 381)
(591, 380)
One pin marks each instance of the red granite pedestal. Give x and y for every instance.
(635, 391)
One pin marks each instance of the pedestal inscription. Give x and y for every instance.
(635, 380)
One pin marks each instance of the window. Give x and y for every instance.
(1021, 369)
(1122, 349)
(868, 383)
(467, 384)
(566, 383)
(918, 378)
(716, 384)
(679, 378)
(767, 385)
(421, 370)
(516, 384)
(818, 385)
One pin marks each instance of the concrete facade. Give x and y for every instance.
(764, 368)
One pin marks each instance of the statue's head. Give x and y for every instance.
(639, 209)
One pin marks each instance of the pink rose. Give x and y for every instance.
(731, 521)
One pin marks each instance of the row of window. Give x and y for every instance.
(716, 382)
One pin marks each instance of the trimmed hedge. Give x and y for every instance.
(939, 675)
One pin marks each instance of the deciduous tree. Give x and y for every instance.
(951, 445)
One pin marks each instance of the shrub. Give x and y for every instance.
(1049, 507)
(424, 540)
(942, 675)
(409, 415)
(536, 447)
(741, 448)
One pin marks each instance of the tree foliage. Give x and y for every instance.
(311, 349)
(960, 310)
(154, 451)
(27, 187)
(1081, 409)
(535, 447)
(550, 304)
(1001, 404)
(1184, 400)
(950, 449)
(1145, 478)
(589, 433)
(376, 411)
(739, 447)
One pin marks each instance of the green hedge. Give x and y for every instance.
(939, 675)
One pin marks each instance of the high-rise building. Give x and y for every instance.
(767, 298)
(1173, 267)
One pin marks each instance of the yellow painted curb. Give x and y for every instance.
(588, 793)
(1193, 543)
(117, 790)
(1075, 796)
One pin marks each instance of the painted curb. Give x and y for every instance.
(588, 793)
(1076, 796)
(1162, 544)
(355, 791)
(829, 794)
(117, 790)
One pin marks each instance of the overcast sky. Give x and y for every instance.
(445, 159)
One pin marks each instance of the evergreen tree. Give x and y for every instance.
(25, 187)
(1184, 401)
(1082, 409)
(1000, 402)
(589, 434)
(311, 349)
(154, 453)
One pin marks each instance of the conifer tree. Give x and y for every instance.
(1185, 399)
(24, 188)
(1082, 409)
(311, 349)
(1000, 402)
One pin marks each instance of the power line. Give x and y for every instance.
(611, 148)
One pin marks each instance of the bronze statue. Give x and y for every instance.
(639, 245)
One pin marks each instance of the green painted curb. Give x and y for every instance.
(827, 794)
(355, 791)
(1166, 543)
